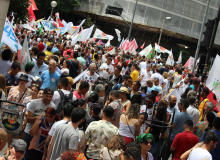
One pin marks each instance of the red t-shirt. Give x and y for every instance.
(127, 62)
(77, 95)
(183, 142)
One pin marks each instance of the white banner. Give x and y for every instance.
(214, 76)
(146, 50)
(118, 34)
(24, 55)
(79, 76)
(85, 34)
(9, 37)
(170, 60)
(46, 24)
(28, 26)
(160, 49)
(101, 35)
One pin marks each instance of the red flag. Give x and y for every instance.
(110, 48)
(142, 46)
(58, 20)
(94, 39)
(33, 5)
(31, 14)
(60, 23)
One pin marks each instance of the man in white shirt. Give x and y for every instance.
(145, 75)
(143, 66)
(192, 110)
(159, 76)
(182, 85)
(91, 76)
(172, 106)
(106, 69)
(210, 142)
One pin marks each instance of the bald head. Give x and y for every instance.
(3, 138)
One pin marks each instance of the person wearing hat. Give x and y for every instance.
(70, 83)
(16, 150)
(27, 70)
(124, 95)
(36, 80)
(95, 109)
(146, 140)
(69, 54)
(18, 94)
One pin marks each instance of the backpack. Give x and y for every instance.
(64, 99)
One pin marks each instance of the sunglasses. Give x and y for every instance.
(148, 101)
(148, 143)
(35, 85)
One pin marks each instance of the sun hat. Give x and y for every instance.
(124, 90)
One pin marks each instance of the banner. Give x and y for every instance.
(133, 45)
(28, 26)
(118, 34)
(85, 34)
(170, 60)
(214, 76)
(160, 49)
(107, 44)
(53, 26)
(189, 62)
(9, 37)
(112, 52)
(101, 35)
(146, 50)
(180, 57)
(46, 24)
(75, 29)
(79, 76)
(24, 56)
(63, 29)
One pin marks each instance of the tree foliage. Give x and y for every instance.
(63, 7)
(19, 7)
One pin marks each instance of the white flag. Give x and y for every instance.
(107, 44)
(9, 37)
(170, 60)
(160, 49)
(85, 34)
(46, 24)
(214, 74)
(112, 52)
(146, 51)
(118, 34)
(180, 57)
(101, 35)
(175, 93)
(24, 55)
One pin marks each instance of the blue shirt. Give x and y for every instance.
(118, 86)
(179, 120)
(192, 86)
(54, 49)
(50, 80)
(216, 152)
(38, 71)
(11, 80)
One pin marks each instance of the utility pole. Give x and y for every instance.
(209, 49)
(129, 34)
(200, 36)
(4, 5)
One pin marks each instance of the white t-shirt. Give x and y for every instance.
(199, 154)
(90, 79)
(124, 71)
(149, 111)
(104, 74)
(56, 97)
(143, 66)
(38, 108)
(4, 66)
(166, 87)
(146, 77)
(159, 76)
(65, 70)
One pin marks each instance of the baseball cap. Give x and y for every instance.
(155, 88)
(96, 107)
(19, 145)
(37, 80)
(29, 66)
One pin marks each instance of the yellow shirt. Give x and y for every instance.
(134, 75)
(48, 43)
(47, 53)
(93, 56)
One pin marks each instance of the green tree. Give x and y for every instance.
(19, 7)
(63, 7)
(88, 23)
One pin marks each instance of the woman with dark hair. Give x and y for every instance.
(129, 125)
(113, 149)
(201, 126)
(135, 87)
(66, 66)
(184, 95)
(124, 68)
(160, 114)
(41, 128)
(136, 98)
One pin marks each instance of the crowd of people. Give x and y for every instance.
(122, 107)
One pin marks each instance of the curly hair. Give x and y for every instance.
(133, 111)
(116, 143)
